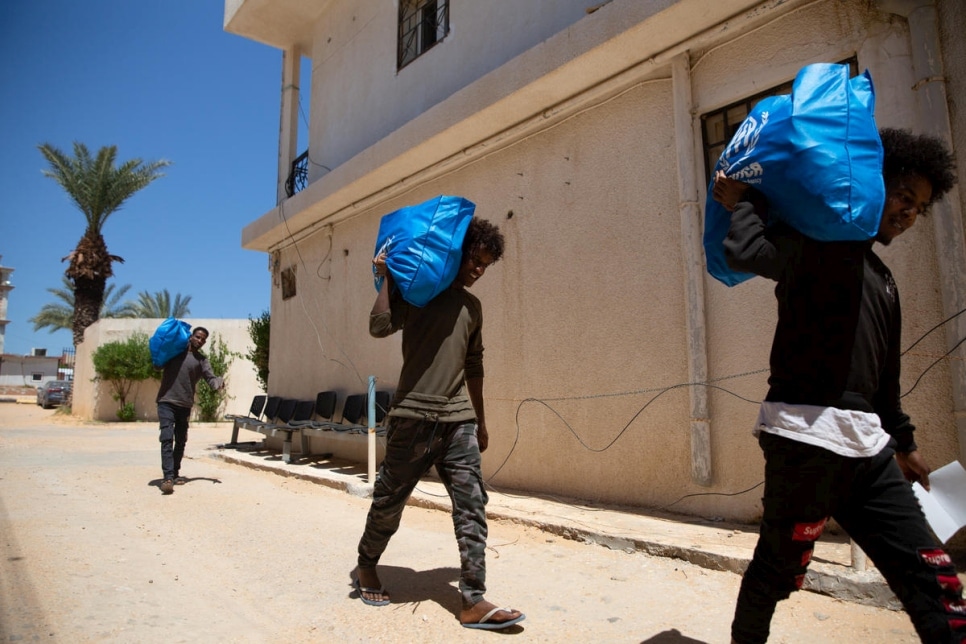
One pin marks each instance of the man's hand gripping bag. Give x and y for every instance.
(815, 155)
(424, 245)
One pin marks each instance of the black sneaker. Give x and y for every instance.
(167, 487)
(180, 480)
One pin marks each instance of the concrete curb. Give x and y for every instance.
(22, 400)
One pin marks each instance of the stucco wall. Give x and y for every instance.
(569, 311)
(587, 357)
(952, 22)
(364, 98)
(92, 400)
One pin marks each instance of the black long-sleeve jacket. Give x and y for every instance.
(837, 341)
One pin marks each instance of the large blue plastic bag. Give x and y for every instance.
(424, 246)
(170, 339)
(815, 154)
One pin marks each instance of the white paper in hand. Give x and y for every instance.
(945, 503)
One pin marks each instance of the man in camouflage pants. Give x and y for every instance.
(437, 419)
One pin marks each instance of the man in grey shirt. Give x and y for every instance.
(437, 420)
(175, 399)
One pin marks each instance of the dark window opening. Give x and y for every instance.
(422, 24)
(288, 283)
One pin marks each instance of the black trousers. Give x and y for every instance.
(872, 501)
(173, 437)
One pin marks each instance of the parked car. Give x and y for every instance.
(53, 392)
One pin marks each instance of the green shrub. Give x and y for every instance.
(210, 402)
(126, 414)
(124, 365)
(259, 330)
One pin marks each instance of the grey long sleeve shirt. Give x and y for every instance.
(181, 375)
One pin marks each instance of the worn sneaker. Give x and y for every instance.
(167, 487)
(180, 480)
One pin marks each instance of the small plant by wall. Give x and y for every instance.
(259, 329)
(127, 413)
(211, 403)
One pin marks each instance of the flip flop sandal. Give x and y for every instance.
(372, 591)
(484, 623)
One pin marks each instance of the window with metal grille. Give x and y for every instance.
(719, 126)
(422, 24)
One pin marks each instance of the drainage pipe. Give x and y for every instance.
(693, 255)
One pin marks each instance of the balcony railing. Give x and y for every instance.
(298, 177)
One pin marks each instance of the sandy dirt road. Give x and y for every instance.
(90, 551)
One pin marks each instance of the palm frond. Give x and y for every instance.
(160, 305)
(56, 316)
(95, 184)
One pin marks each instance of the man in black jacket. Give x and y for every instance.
(835, 439)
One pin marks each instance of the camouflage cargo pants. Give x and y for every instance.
(412, 447)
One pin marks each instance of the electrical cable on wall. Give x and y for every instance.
(664, 390)
(351, 366)
(545, 401)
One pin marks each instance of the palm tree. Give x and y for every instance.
(98, 188)
(159, 305)
(60, 315)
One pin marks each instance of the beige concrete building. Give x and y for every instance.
(584, 130)
(5, 288)
(92, 399)
(30, 370)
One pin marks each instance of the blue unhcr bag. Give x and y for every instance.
(424, 246)
(815, 155)
(170, 339)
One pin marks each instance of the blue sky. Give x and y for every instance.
(160, 79)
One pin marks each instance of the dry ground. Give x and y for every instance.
(90, 551)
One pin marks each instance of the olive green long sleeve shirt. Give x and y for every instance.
(442, 347)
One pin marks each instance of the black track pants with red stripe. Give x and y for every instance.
(872, 501)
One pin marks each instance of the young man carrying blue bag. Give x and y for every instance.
(437, 420)
(175, 398)
(835, 439)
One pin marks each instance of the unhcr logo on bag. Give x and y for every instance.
(750, 174)
(742, 146)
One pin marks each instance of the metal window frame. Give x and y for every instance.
(298, 177)
(416, 25)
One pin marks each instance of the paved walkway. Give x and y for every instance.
(713, 545)
(709, 544)
(93, 552)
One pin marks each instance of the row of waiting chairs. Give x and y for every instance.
(273, 415)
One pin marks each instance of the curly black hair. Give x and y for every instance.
(907, 154)
(481, 234)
